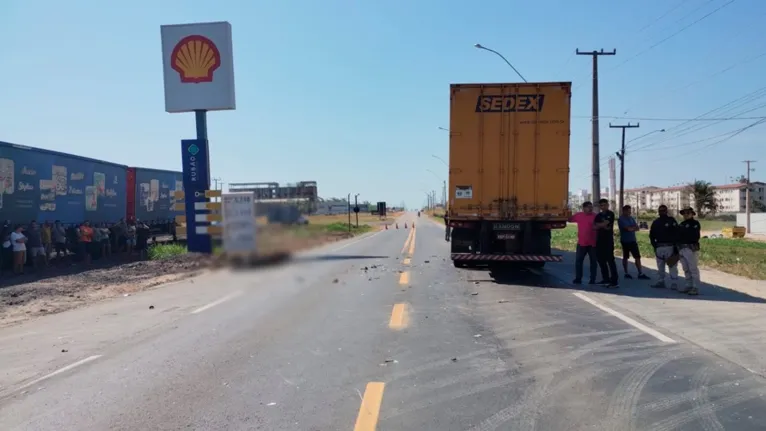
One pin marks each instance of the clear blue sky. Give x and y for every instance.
(350, 93)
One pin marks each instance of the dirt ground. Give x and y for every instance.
(63, 287)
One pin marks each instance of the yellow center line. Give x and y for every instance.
(404, 277)
(367, 420)
(412, 242)
(398, 317)
(407, 242)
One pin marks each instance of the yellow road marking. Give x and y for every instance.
(404, 277)
(407, 260)
(407, 242)
(412, 242)
(367, 420)
(398, 317)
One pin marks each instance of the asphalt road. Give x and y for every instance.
(379, 332)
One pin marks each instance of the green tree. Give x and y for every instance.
(702, 195)
(757, 206)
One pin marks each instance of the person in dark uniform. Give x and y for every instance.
(604, 224)
(663, 235)
(688, 250)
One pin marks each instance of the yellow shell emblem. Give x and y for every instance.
(195, 58)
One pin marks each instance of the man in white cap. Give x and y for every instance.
(688, 250)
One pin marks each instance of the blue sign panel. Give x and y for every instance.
(196, 178)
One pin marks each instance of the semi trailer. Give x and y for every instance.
(508, 171)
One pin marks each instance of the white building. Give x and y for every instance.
(730, 197)
(577, 198)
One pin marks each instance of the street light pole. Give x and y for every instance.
(479, 46)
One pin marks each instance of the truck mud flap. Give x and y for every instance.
(505, 257)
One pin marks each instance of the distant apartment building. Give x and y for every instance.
(576, 199)
(729, 197)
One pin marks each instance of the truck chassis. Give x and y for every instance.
(525, 243)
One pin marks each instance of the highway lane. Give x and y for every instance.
(377, 332)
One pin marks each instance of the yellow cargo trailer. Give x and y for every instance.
(509, 171)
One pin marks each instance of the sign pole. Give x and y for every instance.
(201, 120)
(198, 72)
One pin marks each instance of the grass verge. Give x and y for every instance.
(734, 256)
(164, 251)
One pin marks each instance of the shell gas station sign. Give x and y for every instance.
(198, 71)
(198, 67)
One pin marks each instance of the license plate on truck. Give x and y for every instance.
(507, 226)
(506, 235)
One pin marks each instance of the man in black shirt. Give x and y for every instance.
(688, 249)
(663, 235)
(604, 225)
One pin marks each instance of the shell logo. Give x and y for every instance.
(195, 58)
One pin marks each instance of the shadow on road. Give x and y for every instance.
(334, 257)
(564, 272)
(63, 267)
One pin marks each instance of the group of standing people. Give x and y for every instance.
(38, 242)
(672, 242)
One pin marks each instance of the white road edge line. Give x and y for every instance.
(217, 302)
(59, 371)
(626, 319)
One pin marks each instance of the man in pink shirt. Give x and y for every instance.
(586, 242)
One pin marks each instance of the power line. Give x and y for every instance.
(677, 89)
(725, 138)
(691, 126)
(674, 34)
(611, 117)
(659, 18)
(721, 141)
(639, 31)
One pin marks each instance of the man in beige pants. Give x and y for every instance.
(688, 249)
(663, 235)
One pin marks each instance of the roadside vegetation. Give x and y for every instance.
(438, 213)
(165, 251)
(735, 256)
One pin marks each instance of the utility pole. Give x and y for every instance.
(747, 194)
(621, 156)
(444, 195)
(348, 200)
(596, 184)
